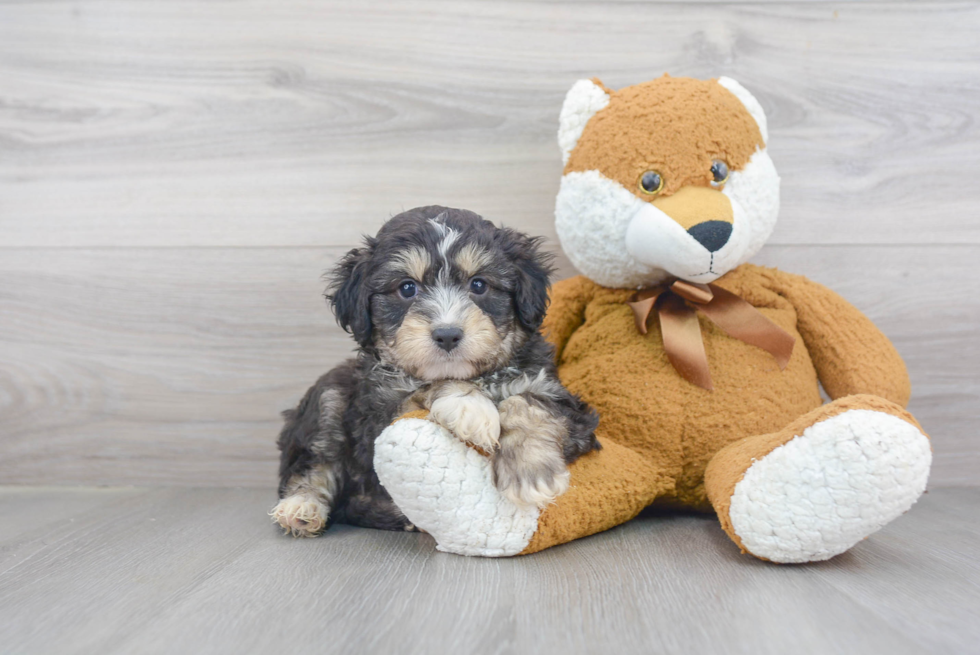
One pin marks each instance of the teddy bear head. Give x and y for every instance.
(665, 179)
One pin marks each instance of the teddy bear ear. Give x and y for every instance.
(747, 99)
(582, 102)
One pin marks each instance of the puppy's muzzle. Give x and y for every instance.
(447, 338)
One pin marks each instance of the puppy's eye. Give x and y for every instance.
(478, 286)
(651, 183)
(408, 289)
(719, 173)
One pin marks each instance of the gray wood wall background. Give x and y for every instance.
(175, 176)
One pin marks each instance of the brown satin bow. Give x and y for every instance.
(682, 333)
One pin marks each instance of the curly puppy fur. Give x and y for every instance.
(445, 308)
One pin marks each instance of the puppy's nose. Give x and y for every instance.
(711, 234)
(447, 338)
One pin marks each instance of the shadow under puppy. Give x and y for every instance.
(445, 308)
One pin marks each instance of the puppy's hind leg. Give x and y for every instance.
(374, 508)
(306, 501)
(311, 468)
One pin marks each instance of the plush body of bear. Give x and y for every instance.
(667, 192)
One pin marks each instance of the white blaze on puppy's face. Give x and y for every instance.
(442, 274)
(415, 350)
(692, 227)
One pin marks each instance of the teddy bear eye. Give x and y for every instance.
(651, 183)
(408, 289)
(719, 173)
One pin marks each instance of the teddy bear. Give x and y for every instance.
(705, 370)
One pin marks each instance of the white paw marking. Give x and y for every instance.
(301, 515)
(822, 492)
(473, 418)
(446, 489)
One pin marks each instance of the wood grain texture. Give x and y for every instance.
(190, 571)
(273, 123)
(169, 366)
(175, 176)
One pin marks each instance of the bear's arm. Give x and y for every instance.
(850, 353)
(566, 310)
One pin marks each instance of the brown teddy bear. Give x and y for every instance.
(705, 370)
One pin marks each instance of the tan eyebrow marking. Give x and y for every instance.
(413, 262)
(471, 258)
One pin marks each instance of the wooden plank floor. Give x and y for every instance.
(202, 570)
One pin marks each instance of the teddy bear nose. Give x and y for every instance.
(711, 234)
(447, 338)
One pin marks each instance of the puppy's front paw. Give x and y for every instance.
(301, 515)
(529, 468)
(531, 483)
(472, 417)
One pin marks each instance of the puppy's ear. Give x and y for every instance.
(533, 275)
(348, 294)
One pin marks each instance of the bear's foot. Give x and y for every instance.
(824, 483)
(446, 488)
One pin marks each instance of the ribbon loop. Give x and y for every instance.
(699, 294)
(682, 332)
(641, 311)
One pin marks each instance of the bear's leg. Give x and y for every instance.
(446, 489)
(823, 483)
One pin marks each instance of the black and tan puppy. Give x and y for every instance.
(445, 308)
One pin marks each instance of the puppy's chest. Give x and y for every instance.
(507, 382)
(390, 390)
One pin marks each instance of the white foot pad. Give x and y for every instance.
(445, 488)
(827, 489)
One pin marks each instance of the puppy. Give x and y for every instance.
(445, 308)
